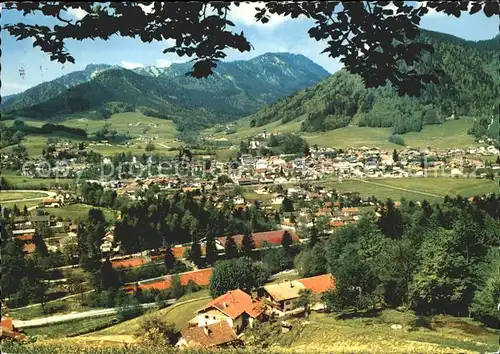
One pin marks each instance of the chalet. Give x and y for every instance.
(50, 203)
(235, 307)
(283, 295)
(216, 335)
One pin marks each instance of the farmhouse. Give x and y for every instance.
(283, 295)
(218, 334)
(235, 307)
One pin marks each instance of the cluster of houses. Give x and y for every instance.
(221, 322)
(25, 229)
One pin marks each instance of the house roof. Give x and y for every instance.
(271, 237)
(29, 248)
(350, 210)
(218, 334)
(25, 237)
(40, 218)
(7, 323)
(49, 200)
(320, 283)
(287, 290)
(233, 304)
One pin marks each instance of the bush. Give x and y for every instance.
(191, 287)
(156, 331)
(397, 139)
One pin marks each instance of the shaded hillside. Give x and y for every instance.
(469, 85)
(236, 89)
(47, 90)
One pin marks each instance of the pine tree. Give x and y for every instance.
(211, 249)
(247, 244)
(395, 156)
(40, 245)
(230, 248)
(314, 237)
(169, 258)
(286, 241)
(195, 254)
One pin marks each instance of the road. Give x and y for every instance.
(398, 188)
(75, 316)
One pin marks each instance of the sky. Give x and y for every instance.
(281, 34)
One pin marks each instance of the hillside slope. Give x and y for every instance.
(47, 90)
(470, 85)
(236, 89)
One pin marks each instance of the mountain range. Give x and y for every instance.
(469, 86)
(235, 90)
(278, 87)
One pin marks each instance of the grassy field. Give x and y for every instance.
(22, 182)
(132, 124)
(451, 134)
(430, 188)
(176, 314)
(7, 196)
(55, 307)
(58, 330)
(78, 211)
(325, 333)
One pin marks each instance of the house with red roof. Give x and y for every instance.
(8, 331)
(215, 335)
(29, 248)
(235, 307)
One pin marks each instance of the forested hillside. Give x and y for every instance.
(236, 89)
(469, 86)
(47, 90)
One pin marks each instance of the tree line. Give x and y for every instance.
(435, 259)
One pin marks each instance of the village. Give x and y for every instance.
(72, 161)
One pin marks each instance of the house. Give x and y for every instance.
(235, 307)
(40, 220)
(278, 200)
(218, 334)
(8, 331)
(238, 200)
(283, 295)
(23, 232)
(29, 248)
(50, 203)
